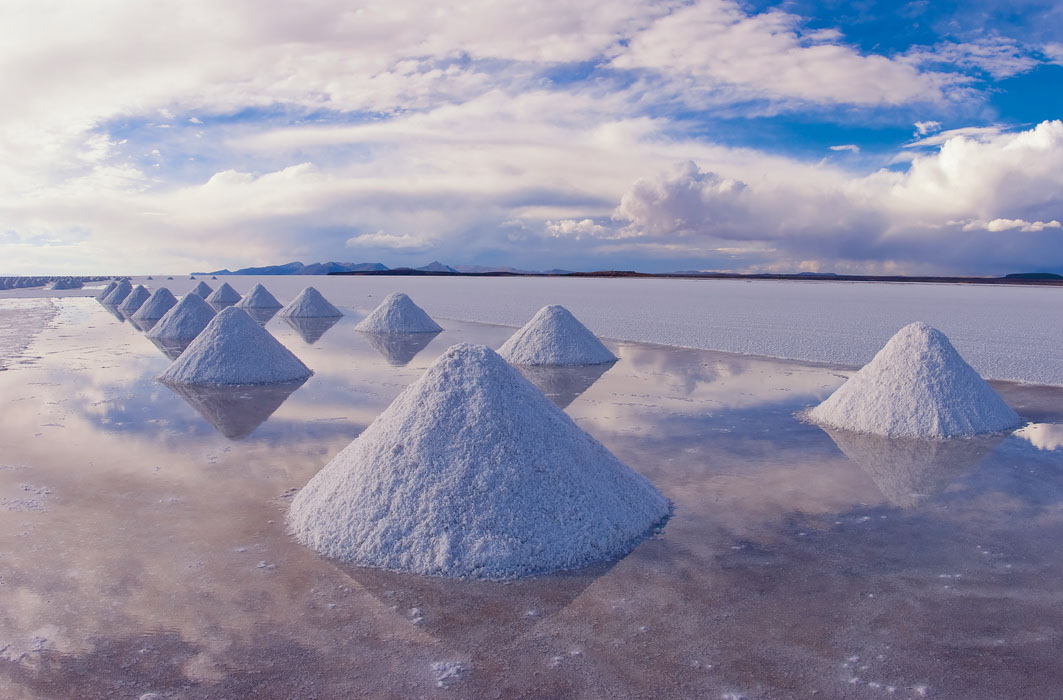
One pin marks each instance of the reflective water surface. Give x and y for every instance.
(143, 550)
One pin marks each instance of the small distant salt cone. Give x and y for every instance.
(106, 290)
(472, 473)
(134, 300)
(65, 283)
(259, 298)
(157, 306)
(233, 349)
(917, 386)
(310, 304)
(184, 321)
(398, 314)
(202, 289)
(224, 295)
(555, 337)
(117, 295)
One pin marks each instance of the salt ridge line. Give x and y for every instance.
(398, 314)
(473, 473)
(555, 337)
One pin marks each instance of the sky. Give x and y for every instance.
(850, 137)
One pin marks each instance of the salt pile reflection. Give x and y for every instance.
(311, 328)
(235, 411)
(399, 349)
(564, 384)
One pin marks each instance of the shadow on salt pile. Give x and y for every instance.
(564, 384)
(472, 614)
(399, 349)
(235, 411)
(262, 316)
(911, 471)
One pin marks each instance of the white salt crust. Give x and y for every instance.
(917, 386)
(117, 295)
(310, 304)
(259, 298)
(134, 300)
(555, 337)
(184, 321)
(398, 314)
(233, 349)
(161, 301)
(224, 295)
(106, 290)
(202, 289)
(473, 473)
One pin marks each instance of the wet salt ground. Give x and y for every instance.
(143, 551)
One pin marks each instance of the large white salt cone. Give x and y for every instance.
(233, 349)
(258, 297)
(555, 337)
(398, 314)
(184, 321)
(917, 386)
(161, 301)
(134, 300)
(202, 289)
(117, 295)
(224, 295)
(473, 473)
(310, 304)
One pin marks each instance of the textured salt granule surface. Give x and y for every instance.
(555, 337)
(473, 473)
(310, 304)
(233, 349)
(224, 295)
(916, 386)
(202, 289)
(184, 321)
(161, 301)
(398, 314)
(259, 298)
(106, 290)
(135, 299)
(118, 294)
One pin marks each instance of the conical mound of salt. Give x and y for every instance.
(398, 314)
(259, 298)
(157, 306)
(916, 386)
(472, 473)
(224, 295)
(134, 300)
(555, 337)
(117, 295)
(310, 304)
(233, 349)
(202, 289)
(184, 321)
(106, 290)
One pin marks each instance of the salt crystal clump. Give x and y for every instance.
(310, 304)
(916, 386)
(117, 295)
(555, 337)
(259, 298)
(224, 295)
(398, 314)
(233, 349)
(202, 289)
(184, 321)
(157, 306)
(106, 290)
(472, 473)
(134, 299)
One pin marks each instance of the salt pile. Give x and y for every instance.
(472, 473)
(398, 314)
(65, 283)
(202, 289)
(117, 295)
(106, 290)
(224, 295)
(259, 298)
(310, 304)
(555, 337)
(916, 386)
(184, 321)
(134, 300)
(233, 349)
(157, 306)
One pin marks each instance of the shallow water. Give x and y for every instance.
(142, 546)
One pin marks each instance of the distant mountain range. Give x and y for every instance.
(298, 268)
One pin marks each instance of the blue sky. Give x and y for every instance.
(708, 134)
